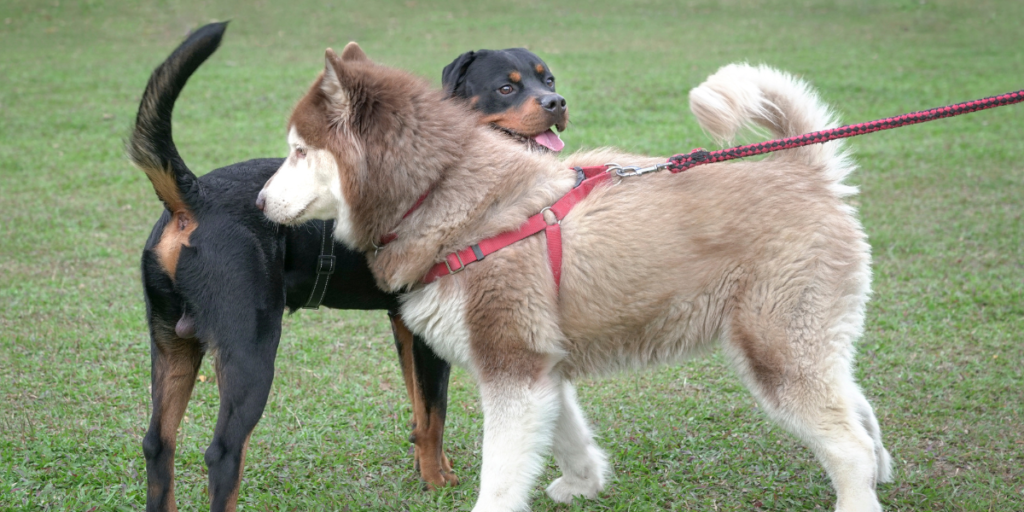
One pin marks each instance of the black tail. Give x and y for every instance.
(151, 147)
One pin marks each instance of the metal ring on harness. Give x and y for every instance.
(461, 264)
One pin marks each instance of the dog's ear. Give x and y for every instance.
(332, 85)
(453, 78)
(353, 52)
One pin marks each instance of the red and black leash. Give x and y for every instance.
(590, 177)
(684, 161)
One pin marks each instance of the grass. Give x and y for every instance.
(942, 203)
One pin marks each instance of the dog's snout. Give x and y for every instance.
(261, 201)
(552, 102)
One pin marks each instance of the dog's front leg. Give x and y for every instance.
(426, 381)
(520, 412)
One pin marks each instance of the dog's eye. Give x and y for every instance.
(550, 81)
(505, 89)
(300, 152)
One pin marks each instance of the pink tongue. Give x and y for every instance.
(550, 140)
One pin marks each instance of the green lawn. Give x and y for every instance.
(942, 202)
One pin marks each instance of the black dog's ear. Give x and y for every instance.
(453, 78)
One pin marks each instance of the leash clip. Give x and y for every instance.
(634, 170)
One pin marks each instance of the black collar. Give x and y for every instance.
(324, 266)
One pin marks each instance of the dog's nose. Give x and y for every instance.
(552, 102)
(261, 202)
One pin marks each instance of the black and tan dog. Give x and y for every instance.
(514, 90)
(218, 277)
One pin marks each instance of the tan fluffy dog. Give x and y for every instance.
(762, 258)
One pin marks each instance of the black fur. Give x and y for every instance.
(480, 75)
(231, 286)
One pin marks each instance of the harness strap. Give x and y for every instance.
(588, 178)
(324, 266)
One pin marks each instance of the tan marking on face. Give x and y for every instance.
(539, 68)
(515, 77)
(528, 119)
(176, 234)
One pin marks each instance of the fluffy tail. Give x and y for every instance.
(151, 147)
(739, 95)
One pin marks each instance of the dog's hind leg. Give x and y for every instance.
(801, 374)
(245, 372)
(883, 461)
(175, 362)
(584, 466)
(426, 381)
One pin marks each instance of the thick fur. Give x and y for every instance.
(761, 258)
(217, 278)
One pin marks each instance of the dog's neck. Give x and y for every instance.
(492, 188)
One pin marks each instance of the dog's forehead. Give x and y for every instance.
(525, 59)
(294, 139)
(308, 120)
(500, 64)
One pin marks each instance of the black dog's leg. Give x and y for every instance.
(426, 381)
(432, 375)
(245, 372)
(403, 344)
(175, 362)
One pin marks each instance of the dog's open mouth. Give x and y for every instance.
(547, 139)
(550, 140)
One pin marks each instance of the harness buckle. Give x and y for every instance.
(325, 265)
(461, 264)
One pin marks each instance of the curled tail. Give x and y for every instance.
(740, 95)
(151, 147)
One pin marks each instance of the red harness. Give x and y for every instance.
(587, 179)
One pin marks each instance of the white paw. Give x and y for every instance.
(564, 488)
(586, 483)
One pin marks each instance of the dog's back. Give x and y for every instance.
(706, 237)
